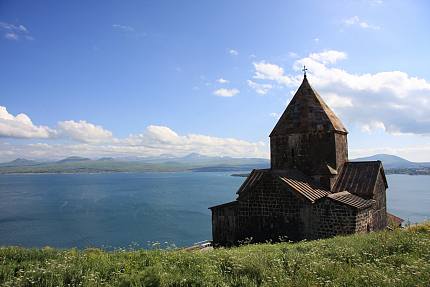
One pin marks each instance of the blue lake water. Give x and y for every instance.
(118, 209)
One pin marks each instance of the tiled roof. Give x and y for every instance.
(355, 183)
(307, 112)
(296, 180)
(350, 199)
(252, 179)
(304, 186)
(359, 178)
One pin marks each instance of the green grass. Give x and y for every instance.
(389, 258)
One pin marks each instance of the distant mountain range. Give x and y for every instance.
(194, 162)
(19, 162)
(73, 159)
(394, 162)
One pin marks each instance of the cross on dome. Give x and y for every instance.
(304, 71)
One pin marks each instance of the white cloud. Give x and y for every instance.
(226, 92)
(11, 36)
(274, 115)
(222, 81)
(261, 89)
(397, 101)
(316, 40)
(161, 139)
(123, 28)
(328, 57)
(373, 126)
(87, 139)
(21, 126)
(84, 131)
(293, 55)
(336, 101)
(268, 71)
(14, 32)
(12, 27)
(155, 140)
(233, 52)
(165, 140)
(133, 33)
(356, 21)
(159, 135)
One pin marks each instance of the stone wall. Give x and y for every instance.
(332, 218)
(341, 141)
(224, 224)
(380, 207)
(308, 151)
(270, 211)
(364, 220)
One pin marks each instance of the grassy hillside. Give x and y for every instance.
(396, 258)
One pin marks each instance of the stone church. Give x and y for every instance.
(311, 190)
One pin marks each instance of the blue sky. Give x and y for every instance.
(140, 78)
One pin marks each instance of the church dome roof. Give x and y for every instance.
(307, 112)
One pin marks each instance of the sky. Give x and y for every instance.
(144, 78)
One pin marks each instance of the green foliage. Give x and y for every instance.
(390, 258)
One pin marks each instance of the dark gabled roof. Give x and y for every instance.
(307, 112)
(354, 185)
(296, 180)
(350, 199)
(252, 179)
(304, 186)
(232, 203)
(359, 177)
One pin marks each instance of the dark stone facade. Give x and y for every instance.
(269, 211)
(309, 152)
(311, 190)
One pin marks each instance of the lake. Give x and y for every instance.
(113, 210)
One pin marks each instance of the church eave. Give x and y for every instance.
(274, 133)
